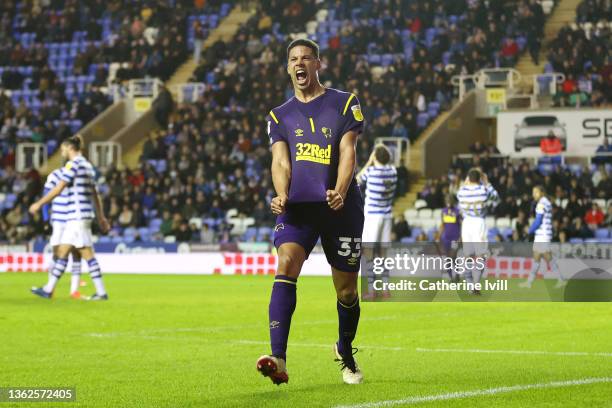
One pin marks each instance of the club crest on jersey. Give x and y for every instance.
(326, 132)
(299, 132)
(357, 113)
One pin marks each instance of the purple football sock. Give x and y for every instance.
(282, 305)
(348, 319)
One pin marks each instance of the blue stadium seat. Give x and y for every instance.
(548, 68)
(155, 223)
(422, 120)
(51, 146)
(264, 232)
(545, 168)
(144, 233)
(249, 234)
(575, 169)
(601, 233)
(575, 241)
(161, 166)
(387, 59)
(127, 240)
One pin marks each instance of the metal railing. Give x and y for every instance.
(104, 154)
(399, 148)
(188, 92)
(30, 155)
(546, 84)
(564, 158)
(136, 88)
(508, 78)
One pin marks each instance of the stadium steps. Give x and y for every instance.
(564, 13)
(100, 129)
(225, 32)
(415, 167)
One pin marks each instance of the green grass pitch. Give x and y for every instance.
(192, 341)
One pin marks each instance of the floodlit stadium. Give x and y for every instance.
(305, 203)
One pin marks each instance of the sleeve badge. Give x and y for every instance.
(357, 113)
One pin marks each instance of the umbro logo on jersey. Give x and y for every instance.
(279, 227)
(299, 132)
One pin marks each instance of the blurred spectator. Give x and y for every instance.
(162, 106)
(401, 229)
(166, 226)
(580, 230)
(551, 144)
(594, 217)
(608, 220)
(199, 35)
(125, 217)
(603, 154)
(183, 232)
(207, 236)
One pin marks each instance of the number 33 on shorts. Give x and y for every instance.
(346, 249)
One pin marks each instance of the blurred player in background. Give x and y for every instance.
(313, 137)
(58, 218)
(380, 179)
(543, 231)
(79, 178)
(476, 197)
(450, 232)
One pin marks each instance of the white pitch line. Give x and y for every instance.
(529, 352)
(317, 345)
(479, 393)
(221, 328)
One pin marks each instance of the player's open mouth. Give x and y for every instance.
(301, 76)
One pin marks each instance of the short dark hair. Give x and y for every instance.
(306, 43)
(474, 175)
(382, 154)
(76, 142)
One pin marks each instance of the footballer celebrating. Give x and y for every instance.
(313, 137)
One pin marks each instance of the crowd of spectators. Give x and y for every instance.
(594, 11)
(55, 58)
(582, 53)
(213, 155)
(575, 192)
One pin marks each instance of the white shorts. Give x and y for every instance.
(77, 234)
(377, 228)
(474, 236)
(56, 235)
(541, 245)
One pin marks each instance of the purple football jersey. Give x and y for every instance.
(451, 218)
(313, 132)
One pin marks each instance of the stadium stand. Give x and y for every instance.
(581, 51)
(581, 196)
(207, 163)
